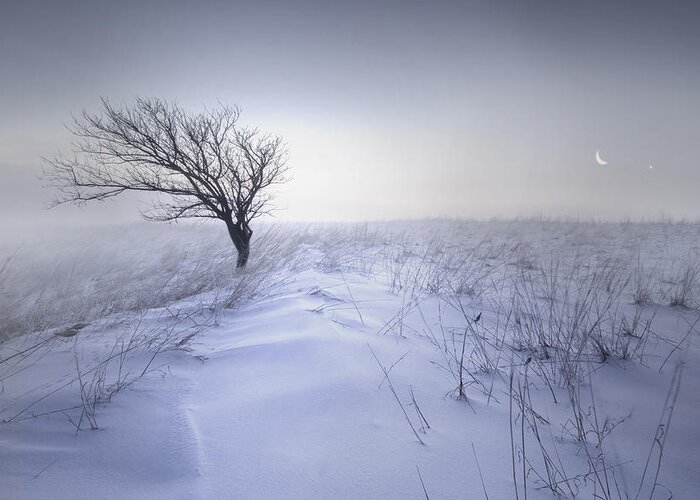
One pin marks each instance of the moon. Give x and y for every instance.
(599, 160)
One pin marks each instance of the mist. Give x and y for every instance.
(390, 111)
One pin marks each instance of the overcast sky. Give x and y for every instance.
(390, 109)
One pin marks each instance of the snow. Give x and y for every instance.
(284, 395)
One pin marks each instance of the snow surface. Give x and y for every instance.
(285, 397)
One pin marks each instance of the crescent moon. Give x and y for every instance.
(599, 160)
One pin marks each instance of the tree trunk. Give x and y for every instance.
(240, 234)
(243, 254)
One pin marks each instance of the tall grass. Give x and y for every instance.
(88, 275)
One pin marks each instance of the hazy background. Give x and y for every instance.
(390, 109)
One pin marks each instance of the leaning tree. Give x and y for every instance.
(201, 165)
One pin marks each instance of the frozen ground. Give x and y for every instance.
(526, 358)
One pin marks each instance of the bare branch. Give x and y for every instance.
(205, 164)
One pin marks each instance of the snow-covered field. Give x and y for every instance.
(437, 359)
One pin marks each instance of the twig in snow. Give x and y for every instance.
(354, 303)
(396, 396)
(425, 491)
(662, 430)
(391, 368)
(42, 470)
(481, 477)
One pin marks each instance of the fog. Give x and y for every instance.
(399, 110)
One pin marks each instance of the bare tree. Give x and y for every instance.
(202, 165)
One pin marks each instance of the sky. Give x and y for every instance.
(391, 110)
